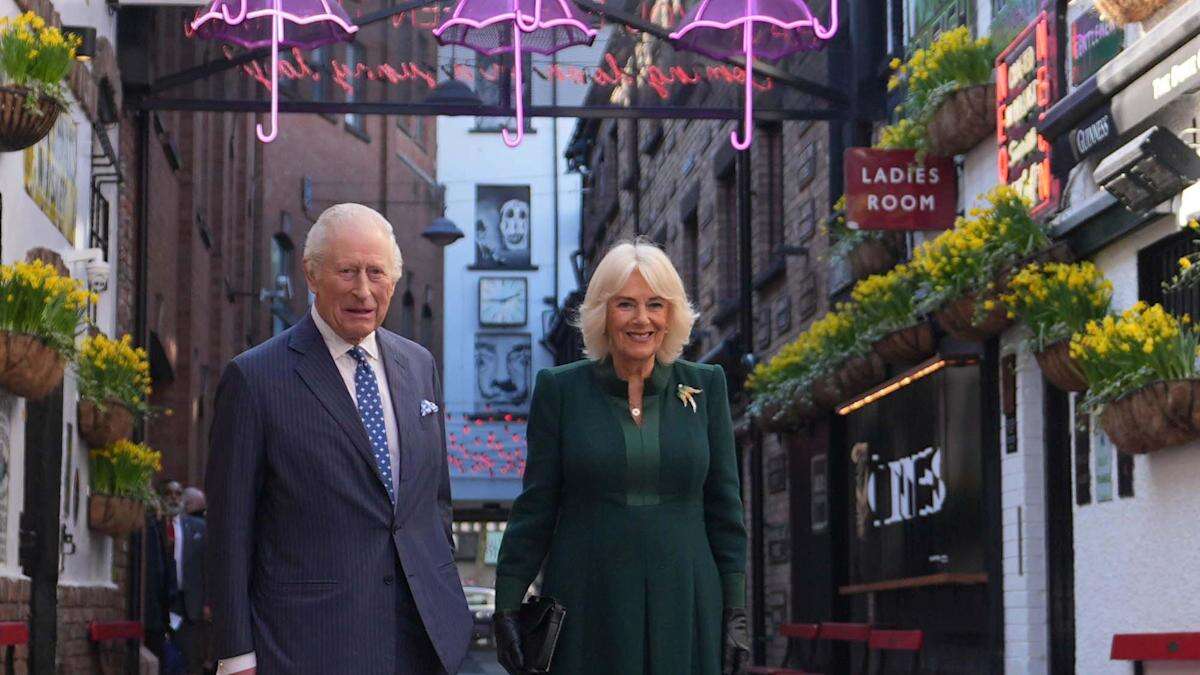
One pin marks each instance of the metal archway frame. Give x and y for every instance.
(154, 98)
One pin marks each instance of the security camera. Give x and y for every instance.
(98, 272)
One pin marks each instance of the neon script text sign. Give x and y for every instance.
(662, 81)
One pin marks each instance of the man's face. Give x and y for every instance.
(353, 284)
(173, 498)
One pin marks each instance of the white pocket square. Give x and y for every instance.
(428, 408)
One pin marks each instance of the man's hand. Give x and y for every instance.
(207, 613)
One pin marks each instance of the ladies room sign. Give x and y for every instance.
(891, 190)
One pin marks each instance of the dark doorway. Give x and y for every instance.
(40, 525)
(1060, 531)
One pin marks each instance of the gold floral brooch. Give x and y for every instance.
(687, 395)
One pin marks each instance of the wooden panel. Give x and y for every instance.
(942, 579)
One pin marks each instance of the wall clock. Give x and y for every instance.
(503, 301)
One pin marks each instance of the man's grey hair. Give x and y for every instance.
(341, 215)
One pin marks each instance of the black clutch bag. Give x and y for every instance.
(541, 621)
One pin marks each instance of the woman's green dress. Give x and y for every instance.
(640, 528)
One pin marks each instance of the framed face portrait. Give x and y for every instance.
(502, 227)
(502, 371)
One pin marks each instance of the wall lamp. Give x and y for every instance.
(1148, 170)
(87, 41)
(901, 381)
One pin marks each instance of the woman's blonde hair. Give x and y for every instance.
(610, 276)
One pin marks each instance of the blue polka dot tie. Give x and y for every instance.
(370, 409)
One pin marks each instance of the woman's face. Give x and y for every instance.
(636, 321)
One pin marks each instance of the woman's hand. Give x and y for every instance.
(735, 647)
(507, 629)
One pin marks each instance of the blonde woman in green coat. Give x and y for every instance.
(631, 496)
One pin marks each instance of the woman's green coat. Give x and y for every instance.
(640, 528)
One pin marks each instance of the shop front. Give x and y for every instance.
(1124, 148)
(922, 528)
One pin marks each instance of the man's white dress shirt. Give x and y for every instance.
(339, 349)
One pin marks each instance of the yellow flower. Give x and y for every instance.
(1185, 263)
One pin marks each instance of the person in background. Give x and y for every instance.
(184, 535)
(194, 502)
(631, 492)
(159, 583)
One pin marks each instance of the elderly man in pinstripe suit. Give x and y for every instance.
(329, 499)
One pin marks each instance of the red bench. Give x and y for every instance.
(878, 643)
(795, 634)
(884, 641)
(850, 633)
(12, 633)
(1142, 647)
(108, 631)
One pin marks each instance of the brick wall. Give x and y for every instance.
(78, 606)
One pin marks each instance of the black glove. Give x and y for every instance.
(735, 645)
(507, 628)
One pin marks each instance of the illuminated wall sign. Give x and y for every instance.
(1026, 87)
(903, 489)
(1093, 43)
(891, 190)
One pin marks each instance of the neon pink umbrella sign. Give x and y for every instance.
(767, 29)
(258, 23)
(494, 27)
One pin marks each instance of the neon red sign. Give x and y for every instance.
(1026, 87)
(662, 81)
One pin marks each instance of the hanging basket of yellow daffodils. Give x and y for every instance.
(1121, 12)
(34, 60)
(949, 96)
(41, 313)
(121, 475)
(1142, 377)
(1056, 300)
(114, 382)
(965, 269)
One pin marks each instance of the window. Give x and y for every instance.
(1157, 264)
(407, 315)
(355, 54)
(281, 266)
(426, 335)
(493, 85)
(318, 60)
(774, 193)
(98, 231)
(691, 256)
(926, 19)
(728, 222)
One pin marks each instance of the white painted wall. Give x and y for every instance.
(24, 226)
(1136, 559)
